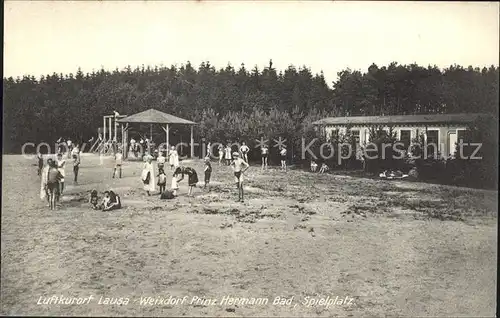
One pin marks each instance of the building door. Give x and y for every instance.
(452, 140)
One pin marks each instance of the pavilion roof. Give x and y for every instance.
(153, 116)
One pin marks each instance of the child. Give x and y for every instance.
(324, 168)
(94, 200)
(105, 201)
(161, 161)
(173, 158)
(209, 149)
(228, 154)
(61, 166)
(113, 203)
(239, 167)
(314, 166)
(244, 151)
(221, 154)
(175, 186)
(162, 180)
(264, 153)
(192, 177)
(40, 162)
(76, 166)
(54, 177)
(283, 158)
(118, 163)
(208, 172)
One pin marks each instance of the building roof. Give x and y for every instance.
(402, 119)
(153, 116)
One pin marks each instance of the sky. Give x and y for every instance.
(42, 37)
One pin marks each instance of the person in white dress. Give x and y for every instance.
(173, 158)
(61, 166)
(148, 176)
(221, 153)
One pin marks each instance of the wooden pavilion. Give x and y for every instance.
(154, 117)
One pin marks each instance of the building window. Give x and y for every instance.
(355, 136)
(334, 134)
(432, 142)
(405, 137)
(432, 137)
(464, 135)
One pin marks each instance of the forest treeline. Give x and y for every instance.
(236, 104)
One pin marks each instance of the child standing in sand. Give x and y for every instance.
(221, 153)
(61, 166)
(283, 158)
(208, 171)
(162, 180)
(228, 154)
(40, 162)
(161, 161)
(118, 164)
(54, 177)
(239, 167)
(264, 154)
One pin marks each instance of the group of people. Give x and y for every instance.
(226, 154)
(148, 176)
(110, 201)
(53, 176)
(151, 180)
(323, 169)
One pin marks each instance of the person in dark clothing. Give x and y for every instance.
(192, 177)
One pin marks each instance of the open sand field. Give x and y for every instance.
(395, 248)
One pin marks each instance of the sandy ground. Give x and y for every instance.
(396, 248)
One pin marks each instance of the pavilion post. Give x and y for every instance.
(115, 125)
(122, 134)
(192, 143)
(167, 137)
(104, 128)
(150, 139)
(110, 124)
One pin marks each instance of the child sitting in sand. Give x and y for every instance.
(105, 201)
(314, 166)
(324, 168)
(94, 200)
(113, 203)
